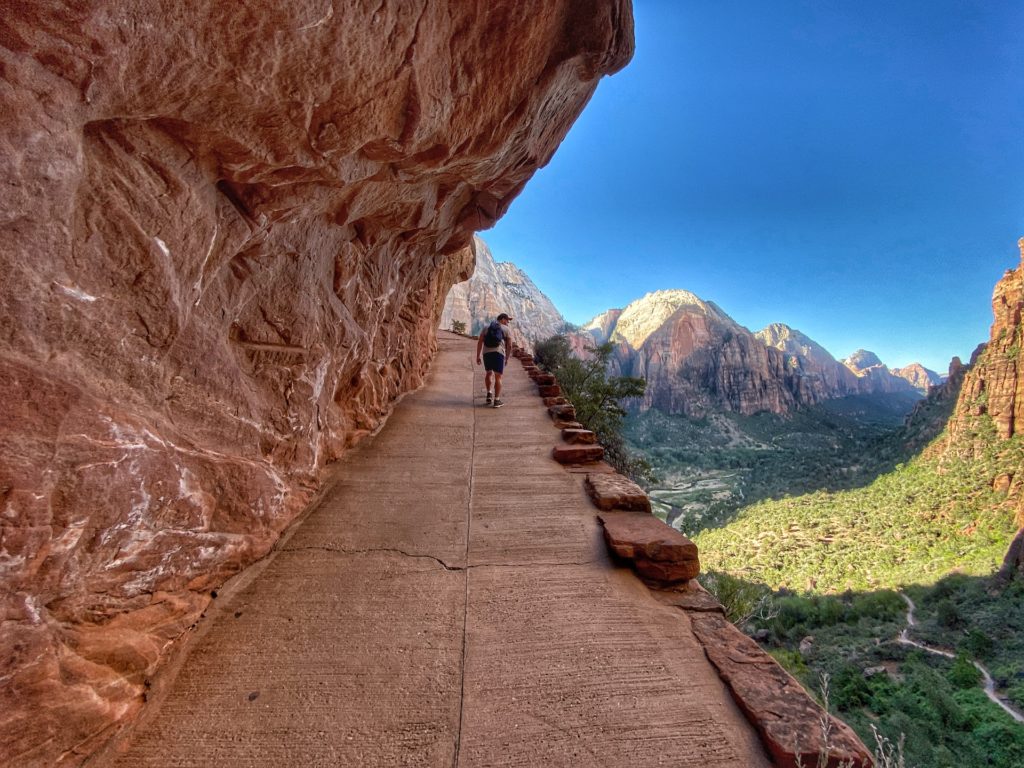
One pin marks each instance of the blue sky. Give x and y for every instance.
(853, 169)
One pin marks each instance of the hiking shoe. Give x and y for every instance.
(489, 398)
(498, 403)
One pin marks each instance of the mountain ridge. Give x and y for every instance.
(697, 359)
(501, 286)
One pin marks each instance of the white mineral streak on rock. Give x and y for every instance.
(76, 293)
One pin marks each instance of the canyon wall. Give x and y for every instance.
(995, 383)
(227, 233)
(987, 421)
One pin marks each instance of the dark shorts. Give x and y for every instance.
(494, 361)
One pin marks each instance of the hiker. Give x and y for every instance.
(495, 343)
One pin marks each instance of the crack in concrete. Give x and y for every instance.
(439, 561)
(378, 550)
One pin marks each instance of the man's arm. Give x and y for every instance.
(479, 347)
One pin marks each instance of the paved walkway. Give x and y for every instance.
(450, 603)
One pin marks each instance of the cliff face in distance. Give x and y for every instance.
(993, 389)
(502, 287)
(874, 375)
(226, 236)
(696, 359)
(995, 384)
(919, 377)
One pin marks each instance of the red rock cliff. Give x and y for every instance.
(995, 384)
(227, 231)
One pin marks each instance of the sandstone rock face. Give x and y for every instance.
(697, 360)
(919, 377)
(502, 287)
(820, 376)
(874, 375)
(995, 384)
(227, 236)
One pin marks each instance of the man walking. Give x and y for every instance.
(495, 344)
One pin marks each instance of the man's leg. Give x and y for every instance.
(487, 381)
(497, 385)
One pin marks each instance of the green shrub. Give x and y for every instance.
(598, 399)
(964, 674)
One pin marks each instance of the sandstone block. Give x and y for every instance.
(545, 379)
(638, 534)
(550, 390)
(550, 401)
(617, 492)
(690, 596)
(577, 454)
(787, 718)
(563, 412)
(665, 572)
(579, 436)
(563, 424)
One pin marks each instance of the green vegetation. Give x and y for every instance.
(458, 326)
(811, 527)
(597, 398)
(915, 524)
(974, 618)
(712, 467)
(934, 704)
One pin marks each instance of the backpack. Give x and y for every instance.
(495, 335)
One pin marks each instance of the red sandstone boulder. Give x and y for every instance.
(229, 232)
(550, 390)
(577, 454)
(561, 424)
(788, 719)
(550, 401)
(545, 379)
(562, 412)
(657, 551)
(579, 436)
(616, 492)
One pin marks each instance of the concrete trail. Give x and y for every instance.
(450, 603)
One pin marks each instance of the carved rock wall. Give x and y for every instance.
(226, 234)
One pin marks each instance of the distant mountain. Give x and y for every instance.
(875, 376)
(697, 360)
(822, 377)
(497, 287)
(919, 377)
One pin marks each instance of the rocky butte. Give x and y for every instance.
(227, 233)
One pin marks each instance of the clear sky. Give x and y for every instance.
(852, 168)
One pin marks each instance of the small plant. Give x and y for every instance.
(887, 754)
(742, 600)
(459, 327)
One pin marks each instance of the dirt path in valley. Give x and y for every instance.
(450, 603)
